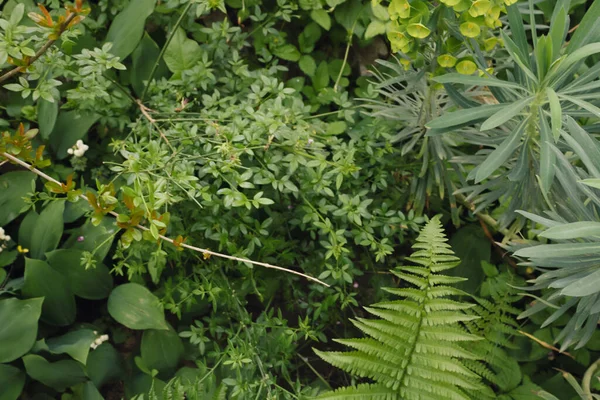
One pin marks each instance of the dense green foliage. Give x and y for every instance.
(200, 199)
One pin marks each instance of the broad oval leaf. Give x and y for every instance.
(19, 327)
(47, 113)
(48, 229)
(58, 375)
(136, 307)
(70, 126)
(103, 364)
(12, 381)
(94, 283)
(43, 281)
(127, 28)
(76, 344)
(161, 349)
(13, 187)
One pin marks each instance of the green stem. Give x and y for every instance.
(337, 81)
(587, 380)
(164, 48)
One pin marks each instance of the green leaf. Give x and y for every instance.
(521, 59)
(308, 65)
(595, 183)
(95, 238)
(555, 113)
(499, 155)
(463, 117)
(572, 230)
(13, 187)
(28, 225)
(127, 28)
(321, 78)
(476, 81)
(322, 18)
(588, 29)
(518, 30)
(559, 250)
(47, 114)
(287, 52)
(43, 281)
(104, 365)
(136, 307)
(547, 156)
(94, 283)
(76, 344)
(143, 58)
(70, 126)
(58, 375)
(182, 53)
(558, 30)
(48, 229)
(161, 349)
(336, 128)
(18, 330)
(375, 28)
(583, 287)
(505, 114)
(472, 247)
(12, 381)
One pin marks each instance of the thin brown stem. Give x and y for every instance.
(40, 52)
(36, 171)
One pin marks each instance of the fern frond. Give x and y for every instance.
(413, 350)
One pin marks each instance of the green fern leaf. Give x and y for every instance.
(414, 350)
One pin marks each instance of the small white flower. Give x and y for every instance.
(3, 235)
(6, 238)
(79, 149)
(99, 340)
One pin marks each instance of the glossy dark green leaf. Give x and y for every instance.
(136, 307)
(143, 58)
(93, 238)
(127, 28)
(103, 364)
(58, 375)
(12, 381)
(19, 327)
(28, 225)
(43, 281)
(47, 114)
(75, 343)
(321, 78)
(161, 349)
(70, 126)
(472, 247)
(94, 283)
(13, 187)
(48, 229)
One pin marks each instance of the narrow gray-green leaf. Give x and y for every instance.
(461, 117)
(555, 112)
(583, 287)
(559, 250)
(507, 113)
(588, 29)
(499, 156)
(477, 81)
(573, 230)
